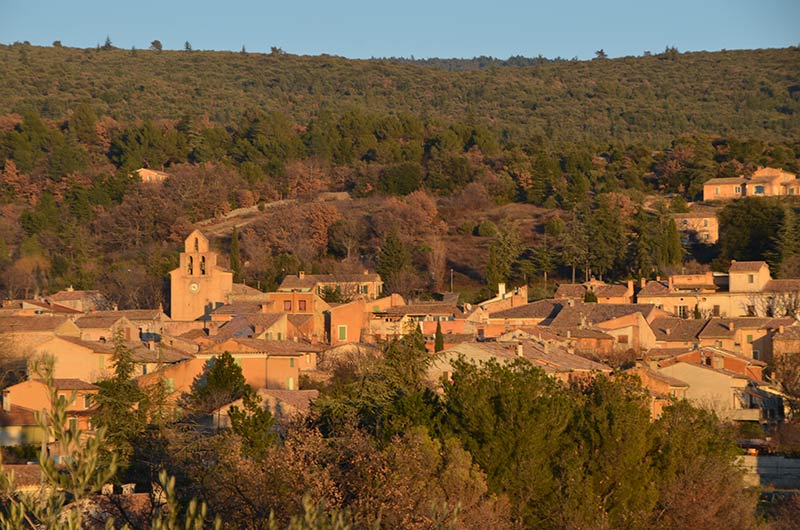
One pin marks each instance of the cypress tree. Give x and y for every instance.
(236, 259)
(438, 344)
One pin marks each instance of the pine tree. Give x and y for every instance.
(503, 253)
(575, 245)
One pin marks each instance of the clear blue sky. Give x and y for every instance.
(430, 28)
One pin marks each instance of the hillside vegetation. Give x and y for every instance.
(651, 99)
(499, 170)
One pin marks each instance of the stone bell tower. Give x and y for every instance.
(198, 285)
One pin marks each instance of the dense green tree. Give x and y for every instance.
(122, 404)
(747, 227)
(393, 259)
(220, 383)
(503, 254)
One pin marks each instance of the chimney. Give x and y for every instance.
(301, 274)
(571, 302)
(630, 285)
(366, 272)
(667, 331)
(501, 289)
(569, 334)
(263, 307)
(781, 329)
(6, 402)
(151, 345)
(519, 350)
(670, 282)
(730, 325)
(658, 278)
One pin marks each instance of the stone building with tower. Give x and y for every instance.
(198, 285)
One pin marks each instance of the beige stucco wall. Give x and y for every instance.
(707, 387)
(76, 361)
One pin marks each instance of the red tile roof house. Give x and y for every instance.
(21, 402)
(351, 286)
(605, 293)
(554, 360)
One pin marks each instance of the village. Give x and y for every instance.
(711, 338)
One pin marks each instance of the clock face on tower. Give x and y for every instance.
(194, 287)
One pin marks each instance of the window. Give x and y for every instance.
(738, 189)
(705, 223)
(622, 339)
(301, 305)
(749, 339)
(682, 311)
(685, 222)
(759, 190)
(716, 190)
(287, 305)
(715, 311)
(190, 268)
(751, 278)
(202, 265)
(87, 401)
(101, 362)
(718, 344)
(308, 358)
(705, 237)
(757, 355)
(291, 362)
(342, 332)
(751, 310)
(290, 383)
(73, 424)
(196, 245)
(791, 191)
(280, 336)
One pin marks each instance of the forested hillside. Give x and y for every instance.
(647, 99)
(482, 167)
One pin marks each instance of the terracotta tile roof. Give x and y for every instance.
(247, 325)
(131, 314)
(746, 266)
(720, 328)
(571, 290)
(309, 281)
(789, 333)
(62, 296)
(546, 309)
(783, 286)
(299, 400)
(553, 359)
(425, 309)
(677, 329)
(279, 347)
(299, 320)
(664, 378)
(105, 321)
(238, 308)
(47, 306)
(38, 323)
(611, 290)
(73, 384)
(582, 315)
(17, 417)
(193, 334)
(657, 354)
(162, 353)
(654, 288)
(245, 290)
(725, 180)
(582, 333)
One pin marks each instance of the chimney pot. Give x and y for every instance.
(730, 325)
(519, 350)
(301, 274)
(781, 329)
